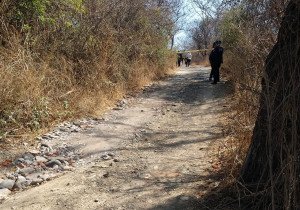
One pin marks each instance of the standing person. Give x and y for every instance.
(210, 61)
(188, 59)
(179, 58)
(216, 61)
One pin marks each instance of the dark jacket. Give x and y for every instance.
(216, 56)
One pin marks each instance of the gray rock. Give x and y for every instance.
(11, 176)
(106, 157)
(4, 193)
(75, 129)
(55, 167)
(28, 162)
(7, 183)
(45, 145)
(111, 154)
(184, 198)
(36, 181)
(63, 129)
(21, 182)
(27, 170)
(52, 163)
(29, 156)
(46, 176)
(41, 159)
(21, 179)
(21, 160)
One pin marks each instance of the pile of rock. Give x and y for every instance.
(37, 166)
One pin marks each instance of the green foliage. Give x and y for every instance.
(26, 13)
(231, 27)
(28, 10)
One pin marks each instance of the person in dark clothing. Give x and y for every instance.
(188, 57)
(210, 61)
(216, 59)
(179, 58)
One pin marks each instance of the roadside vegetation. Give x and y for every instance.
(69, 58)
(262, 62)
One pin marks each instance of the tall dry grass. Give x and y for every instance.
(60, 60)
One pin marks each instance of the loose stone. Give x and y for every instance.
(4, 193)
(7, 183)
(27, 170)
(52, 163)
(41, 159)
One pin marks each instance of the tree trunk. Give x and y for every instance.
(271, 170)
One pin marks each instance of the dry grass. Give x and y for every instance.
(55, 71)
(35, 96)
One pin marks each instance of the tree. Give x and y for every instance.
(271, 170)
(203, 33)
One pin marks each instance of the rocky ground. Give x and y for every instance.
(154, 151)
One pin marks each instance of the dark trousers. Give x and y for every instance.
(211, 74)
(215, 71)
(178, 62)
(188, 62)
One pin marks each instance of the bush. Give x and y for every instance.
(62, 59)
(248, 32)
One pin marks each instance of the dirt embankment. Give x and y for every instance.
(154, 151)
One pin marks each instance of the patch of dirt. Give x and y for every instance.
(160, 148)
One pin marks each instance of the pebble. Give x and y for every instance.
(106, 157)
(34, 152)
(53, 163)
(4, 193)
(36, 181)
(44, 177)
(111, 154)
(145, 176)
(7, 183)
(106, 175)
(41, 159)
(184, 198)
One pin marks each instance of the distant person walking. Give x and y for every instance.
(216, 59)
(188, 59)
(179, 58)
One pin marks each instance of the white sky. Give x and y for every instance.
(182, 37)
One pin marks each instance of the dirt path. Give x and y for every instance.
(161, 141)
